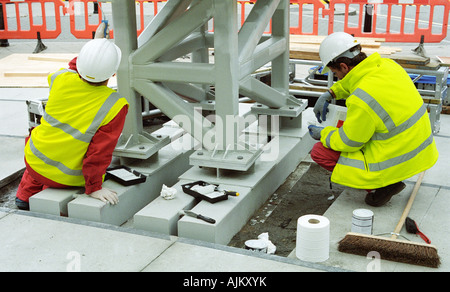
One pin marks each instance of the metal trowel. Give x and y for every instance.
(198, 216)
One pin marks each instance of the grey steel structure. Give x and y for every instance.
(150, 69)
(203, 98)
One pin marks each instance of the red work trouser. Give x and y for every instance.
(327, 158)
(32, 183)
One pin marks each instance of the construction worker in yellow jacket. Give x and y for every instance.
(386, 136)
(82, 123)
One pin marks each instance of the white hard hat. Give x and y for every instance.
(98, 60)
(336, 45)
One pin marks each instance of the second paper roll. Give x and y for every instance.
(313, 238)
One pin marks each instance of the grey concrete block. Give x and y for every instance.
(162, 215)
(53, 201)
(255, 187)
(230, 215)
(164, 168)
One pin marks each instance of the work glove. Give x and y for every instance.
(102, 31)
(106, 195)
(321, 106)
(314, 131)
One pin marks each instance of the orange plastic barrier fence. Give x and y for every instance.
(30, 19)
(392, 20)
(83, 22)
(309, 14)
(388, 19)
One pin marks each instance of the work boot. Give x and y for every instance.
(22, 205)
(382, 195)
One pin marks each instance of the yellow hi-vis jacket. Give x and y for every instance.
(74, 112)
(387, 135)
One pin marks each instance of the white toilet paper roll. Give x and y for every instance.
(313, 238)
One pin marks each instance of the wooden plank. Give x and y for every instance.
(445, 109)
(311, 51)
(31, 70)
(49, 58)
(316, 39)
(26, 74)
(298, 86)
(411, 59)
(431, 100)
(445, 61)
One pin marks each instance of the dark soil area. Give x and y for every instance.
(306, 191)
(8, 191)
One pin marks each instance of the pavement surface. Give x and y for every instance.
(39, 242)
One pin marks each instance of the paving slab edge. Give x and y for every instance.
(230, 249)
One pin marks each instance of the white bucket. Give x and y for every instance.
(362, 221)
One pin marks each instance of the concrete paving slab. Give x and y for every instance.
(426, 211)
(437, 175)
(13, 130)
(11, 157)
(429, 210)
(22, 94)
(183, 257)
(39, 242)
(14, 118)
(43, 244)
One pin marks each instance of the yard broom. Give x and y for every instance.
(393, 249)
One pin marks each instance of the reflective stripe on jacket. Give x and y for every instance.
(74, 112)
(386, 136)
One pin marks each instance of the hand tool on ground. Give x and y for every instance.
(393, 249)
(198, 216)
(228, 193)
(411, 227)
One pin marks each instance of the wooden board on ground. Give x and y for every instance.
(31, 70)
(445, 61)
(311, 51)
(317, 39)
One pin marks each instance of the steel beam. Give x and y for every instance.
(227, 67)
(174, 32)
(254, 27)
(151, 68)
(134, 142)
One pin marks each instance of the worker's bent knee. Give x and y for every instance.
(327, 158)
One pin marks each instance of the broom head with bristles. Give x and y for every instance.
(391, 249)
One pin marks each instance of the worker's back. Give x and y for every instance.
(74, 112)
(387, 134)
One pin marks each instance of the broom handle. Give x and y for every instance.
(399, 226)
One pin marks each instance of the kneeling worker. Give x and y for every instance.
(79, 131)
(386, 136)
